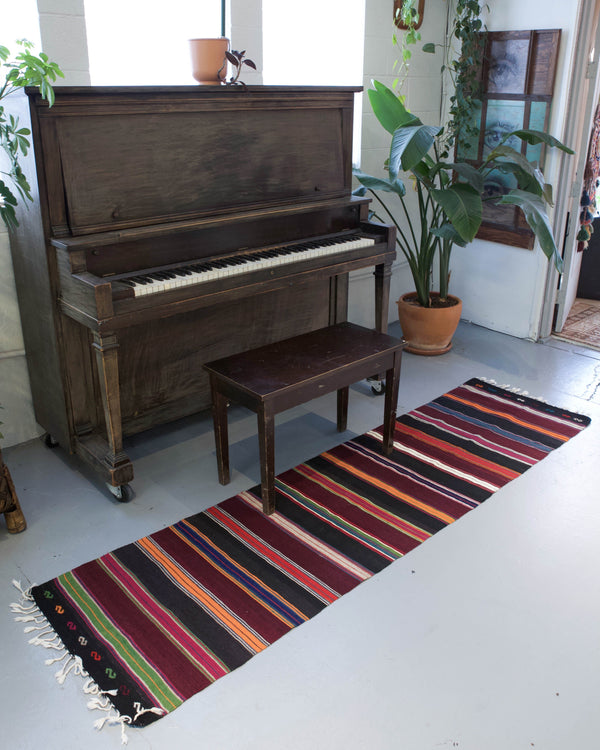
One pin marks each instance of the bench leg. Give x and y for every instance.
(266, 444)
(342, 409)
(392, 379)
(219, 412)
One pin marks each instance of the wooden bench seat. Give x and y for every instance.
(279, 376)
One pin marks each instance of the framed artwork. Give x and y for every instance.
(517, 82)
(398, 7)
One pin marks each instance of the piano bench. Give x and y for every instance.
(279, 376)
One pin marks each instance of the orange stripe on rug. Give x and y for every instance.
(390, 489)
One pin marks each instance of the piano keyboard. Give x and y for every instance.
(221, 268)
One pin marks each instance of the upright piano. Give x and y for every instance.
(173, 226)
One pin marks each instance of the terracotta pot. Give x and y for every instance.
(209, 64)
(428, 330)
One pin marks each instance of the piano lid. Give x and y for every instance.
(118, 157)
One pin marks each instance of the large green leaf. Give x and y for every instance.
(388, 108)
(410, 144)
(535, 215)
(468, 173)
(377, 183)
(462, 205)
(533, 137)
(448, 232)
(530, 178)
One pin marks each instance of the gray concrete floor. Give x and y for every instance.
(486, 637)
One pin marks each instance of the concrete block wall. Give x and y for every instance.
(422, 88)
(63, 35)
(246, 33)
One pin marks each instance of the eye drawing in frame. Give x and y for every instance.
(507, 71)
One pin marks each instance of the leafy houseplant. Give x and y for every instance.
(450, 194)
(237, 60)
(24, 69)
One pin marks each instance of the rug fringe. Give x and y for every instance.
(26, 610)
(519, 391)
(512, 389)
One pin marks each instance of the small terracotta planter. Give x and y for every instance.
(209, 64)
(428, 330)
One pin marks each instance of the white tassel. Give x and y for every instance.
(44, 627)
(141, 711)
(50, 662)
(54, 643)
(23, 609)
(71, 665)
(111, 720)
(99, 704)
(25, 593)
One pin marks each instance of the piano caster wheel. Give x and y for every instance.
(49, 441)
(122, 492)
(377, 386)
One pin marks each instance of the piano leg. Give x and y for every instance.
(338, 298)
(382, 273)
(111, 456)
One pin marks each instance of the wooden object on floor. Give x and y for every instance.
(288, 373)
(9, 502)
(147, 255)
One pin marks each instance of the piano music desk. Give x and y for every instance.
(288, 373)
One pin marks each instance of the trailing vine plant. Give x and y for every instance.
(408, 15)
(462, 55)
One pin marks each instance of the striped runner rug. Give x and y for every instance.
(156, 621)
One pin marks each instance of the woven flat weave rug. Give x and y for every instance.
(156, 621)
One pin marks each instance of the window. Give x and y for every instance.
(132, 43)
(315, 43)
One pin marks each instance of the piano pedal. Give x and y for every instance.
(377, 386)
(122, 492)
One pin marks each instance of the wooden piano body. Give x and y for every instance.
(135, 180)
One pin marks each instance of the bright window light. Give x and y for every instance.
(132, 43)
(315, 43)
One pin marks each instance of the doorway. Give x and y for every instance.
(566, 314)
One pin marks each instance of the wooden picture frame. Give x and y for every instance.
(517, 82)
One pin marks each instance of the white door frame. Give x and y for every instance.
(561, 291)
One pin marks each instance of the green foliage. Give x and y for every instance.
(24, 69)
(462, 57)
(409, 15)
(450, 195)
(238, 60)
